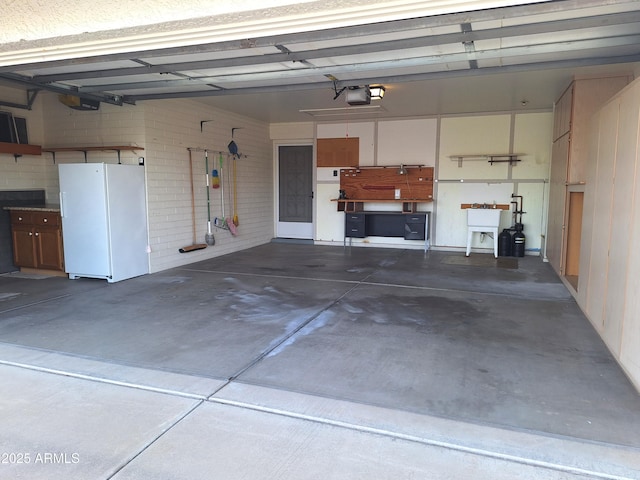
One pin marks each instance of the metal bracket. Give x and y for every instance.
(31, 97)
(511, 158)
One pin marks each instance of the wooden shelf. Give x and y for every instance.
(490, 206)
(19, 149)
(107, 148)
(397, 200)
(92, 149)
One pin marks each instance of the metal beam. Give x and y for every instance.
(368, 48)
(31, 97)
(504, 13)
(574, 63)
(29, 83)
(472, 55)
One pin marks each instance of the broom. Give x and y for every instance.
(194, 246)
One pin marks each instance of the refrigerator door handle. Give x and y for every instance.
(61, 195)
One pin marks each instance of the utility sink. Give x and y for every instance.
(483, 217)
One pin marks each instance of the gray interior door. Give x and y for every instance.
(295, 191)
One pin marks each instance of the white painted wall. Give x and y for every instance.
(430, 141)
(330, 222)
(477, 181)
(409, 142)
(291, 131)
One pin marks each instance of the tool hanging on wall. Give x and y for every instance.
(235, 220)
(232, 146)
(220, 222)
(223, 222)
(229, 221)
(194, 245)
(209, 235)
(215, 179)
(233, 150)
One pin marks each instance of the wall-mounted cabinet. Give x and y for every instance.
(573, 115)
(338, 152)
(569, 159)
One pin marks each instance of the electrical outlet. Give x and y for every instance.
(335, 173)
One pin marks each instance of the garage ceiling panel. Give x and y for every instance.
(556, 35)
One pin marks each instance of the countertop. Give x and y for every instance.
(50, 207)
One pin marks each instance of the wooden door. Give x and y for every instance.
(574, 233)
(557, 203)
(49, 248)
(24, 254)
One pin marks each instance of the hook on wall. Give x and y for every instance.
(202, 122)
(233, 148)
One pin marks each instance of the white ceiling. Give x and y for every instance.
(452, 57)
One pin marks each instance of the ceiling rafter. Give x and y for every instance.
(544, 35)
(471, 55)
(292, 56)
(394, 78)
(558, 6)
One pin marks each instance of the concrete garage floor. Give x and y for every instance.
(291, 361)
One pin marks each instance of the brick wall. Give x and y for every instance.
(29, 171)
(166, 129)
(172, 127)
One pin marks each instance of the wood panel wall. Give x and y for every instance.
(381, 183)
(609, 283)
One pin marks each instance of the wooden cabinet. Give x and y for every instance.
(569, 159)
(584, 98)
(338, 152)
(37, 239)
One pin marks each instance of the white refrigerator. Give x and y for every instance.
(104, 220)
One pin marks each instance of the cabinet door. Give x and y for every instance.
(562, 114)
(24, 254)
(557, 202)
(49, 248)
(590, 94)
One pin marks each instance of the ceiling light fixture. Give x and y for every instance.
(377, 91)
